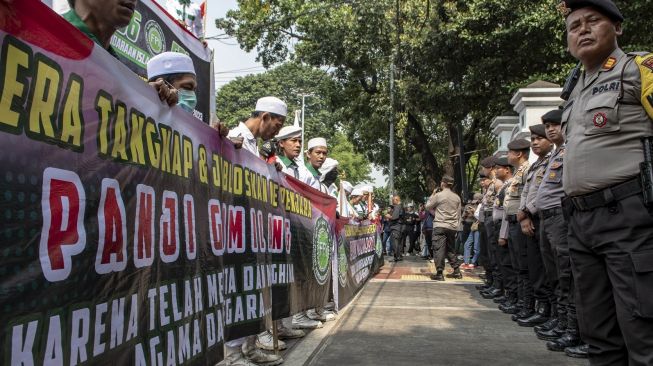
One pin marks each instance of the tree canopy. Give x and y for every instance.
(456, 61)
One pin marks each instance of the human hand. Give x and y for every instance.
(167, 93)
(527, 227)
(503, 242)
(238, 141)
(221, 128)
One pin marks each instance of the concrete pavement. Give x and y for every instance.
(404, 318)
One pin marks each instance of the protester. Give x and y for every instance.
(329, 175)
(446, 205)
(289, 140)
(316, 155)
(395, 219)
(100, 19)
(427, 232)
(411, 227)
(473, 240)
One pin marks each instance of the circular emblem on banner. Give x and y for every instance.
(156, 41)
(379, 245)
(600, 120)
(321, 250)
(343, 263)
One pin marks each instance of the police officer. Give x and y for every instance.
(518, 152)
(494, 274)
(610, 226)
(447, 207)
(507, 303)
(529, 219)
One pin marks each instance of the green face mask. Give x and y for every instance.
(187, 100)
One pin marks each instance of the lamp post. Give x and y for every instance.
(303, 119)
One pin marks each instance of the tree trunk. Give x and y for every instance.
(432, 171)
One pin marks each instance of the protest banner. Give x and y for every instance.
(359, 255)
(152, 31)
(132, 233)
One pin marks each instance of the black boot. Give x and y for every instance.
(578, 351)
(483, 287)
(500, 299)
(552, 334)
(510, 306)
(492, 294)
(541, 316)
(567, 340)
(438, 276)
(526, 311)
(456, 274)
(548, 325)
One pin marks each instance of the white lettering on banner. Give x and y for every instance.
(112, 226)
(63, 197)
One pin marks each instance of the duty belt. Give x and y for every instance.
(545, 214)
(511, 219)
(606, 196)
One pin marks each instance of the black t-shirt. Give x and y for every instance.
(397, 217)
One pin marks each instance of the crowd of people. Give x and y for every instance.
(566, 241)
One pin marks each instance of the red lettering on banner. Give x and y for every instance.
(236, 234)
(112, 252)
(275, 234)
(189, 226)
(216, 227)
(169, 231)
(288, 238)
(144, 227)
(62, 235)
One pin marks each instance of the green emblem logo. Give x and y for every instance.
(321, 250)
(156, 41)
(343, 263)
(379, 245)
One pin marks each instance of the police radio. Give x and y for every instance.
(571, 82)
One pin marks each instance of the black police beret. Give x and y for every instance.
(488, 162)
(554, 116)
(606, 7)
(538, 130)
(502, 161)
(519, 144)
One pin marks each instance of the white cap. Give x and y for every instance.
(365, 188)
(169, 63)
(318, 141)
(288, 132)
(356, 192)
(271, 105)
(328, 165)
(347, 187)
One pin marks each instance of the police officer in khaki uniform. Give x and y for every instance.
(518, 152)
(495, 277)
(446, 219)
(610, 225)
(529, 219)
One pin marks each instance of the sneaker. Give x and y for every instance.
(470, 266)
(260, 358)
(301, 321)
(323, 315)
(431, 261)
(266, 341)
(235, 359)
(330, 306)
(289, 333)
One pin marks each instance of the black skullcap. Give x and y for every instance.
(538, 130)
(606, 7)
(554, 116)
(519, 145)
(488, 162)
(502, 161)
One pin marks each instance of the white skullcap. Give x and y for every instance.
(347, 187)
(318, 141)
(169, 63)
(271, 105)
(328, 165)
(288, 132)
(365, 188)
(356, 192)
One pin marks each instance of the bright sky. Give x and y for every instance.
(230, 60)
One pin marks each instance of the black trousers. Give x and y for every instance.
(444, 241)
(554, 232)
(413, 237)
(518, 246)
(611, 250)
(397, 243)
(509, 272)
(493, 252)
(484, 259)
(536, 272)
(549, 239)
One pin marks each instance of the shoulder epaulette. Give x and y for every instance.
(645, 64)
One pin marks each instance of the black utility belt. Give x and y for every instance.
(512, 219)
(545, 214)
(605, 197)
(487, 213)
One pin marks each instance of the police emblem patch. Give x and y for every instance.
(648, 63)
(600, 120)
